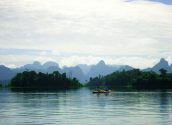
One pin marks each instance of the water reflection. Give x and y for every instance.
(164, 107)
(82, 107)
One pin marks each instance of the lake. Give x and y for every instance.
(81, 107)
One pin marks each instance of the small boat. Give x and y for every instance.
(102, 91)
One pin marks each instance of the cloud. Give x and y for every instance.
(72, 32)
(163, 1)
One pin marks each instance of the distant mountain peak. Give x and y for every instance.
(163, 62)
(2, 66)
(50, 63)
(101, 62)
(36, 63)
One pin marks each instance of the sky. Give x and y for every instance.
(71, 32)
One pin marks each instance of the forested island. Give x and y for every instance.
(134, 79)
(33, 80)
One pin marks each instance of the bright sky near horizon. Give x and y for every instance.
(70, 32)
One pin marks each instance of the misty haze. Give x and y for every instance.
(89, 62)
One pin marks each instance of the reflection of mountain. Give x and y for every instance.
(161, 64)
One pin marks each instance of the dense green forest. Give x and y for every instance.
(31, 79)
(134, 79)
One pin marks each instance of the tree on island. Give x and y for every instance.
(134, 79)
(55, 80)
(163, 72)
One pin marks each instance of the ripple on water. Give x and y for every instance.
(82, 107)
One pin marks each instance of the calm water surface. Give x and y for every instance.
(81, 107)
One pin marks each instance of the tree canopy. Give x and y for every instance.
(135, 79)
(31, 79)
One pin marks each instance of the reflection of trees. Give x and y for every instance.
(37, 99)
(164, 100)
(101, 99)
(158, 104)
(164, 106)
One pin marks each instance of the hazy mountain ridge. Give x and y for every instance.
(6, 73)
(102, 69)
(161, 64)
(85, 68)
(74, 72)
(82, 71)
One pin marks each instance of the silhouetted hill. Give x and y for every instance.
(85, 68)
(76, 72)
(125, 67)
(47, 67)
(82, 71)
(162, 64)
(102, 69)
(35, 65)
(6, 73)
(50, 64)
